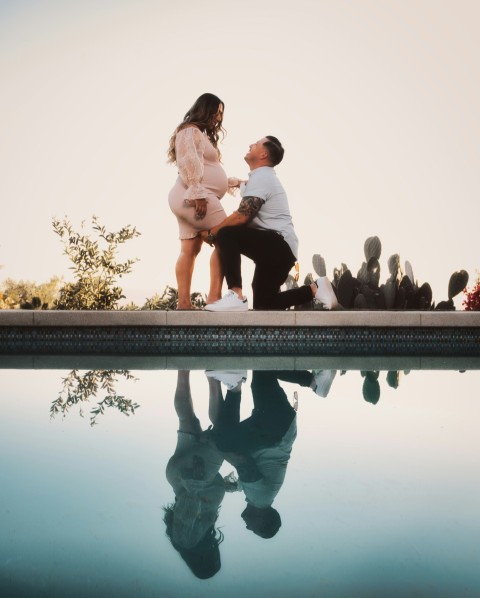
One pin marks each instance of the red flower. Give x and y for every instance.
(472, 298)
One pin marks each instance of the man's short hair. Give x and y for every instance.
(274, 149)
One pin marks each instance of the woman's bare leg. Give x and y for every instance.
(215, 399)
(188, 421)
(189, 249)
(216, 278)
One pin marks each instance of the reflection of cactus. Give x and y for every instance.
(371, 387)
(393, 379)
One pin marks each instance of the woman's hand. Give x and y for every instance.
(200, 208)
(234, 182)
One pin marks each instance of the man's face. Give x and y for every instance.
(256, 151)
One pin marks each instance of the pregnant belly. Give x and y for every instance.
(215, 179)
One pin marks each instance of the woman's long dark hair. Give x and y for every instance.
(201, 114)
(204, 558)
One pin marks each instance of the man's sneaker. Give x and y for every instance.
(322, 381)
(231, 378)
(229, 302)
(325, 294)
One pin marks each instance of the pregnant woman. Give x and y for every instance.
(195, 197)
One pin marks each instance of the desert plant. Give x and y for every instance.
(94, 265)
(400, 291)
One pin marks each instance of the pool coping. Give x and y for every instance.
(281, 319)
(247, 362)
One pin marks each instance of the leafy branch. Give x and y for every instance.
(79, 388)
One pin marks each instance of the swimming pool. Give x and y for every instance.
(379, 498)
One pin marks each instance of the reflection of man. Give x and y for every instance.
(262, 229)
(259, 447)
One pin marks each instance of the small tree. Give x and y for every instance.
(95, 266)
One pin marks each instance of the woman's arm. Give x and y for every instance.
(189, 148)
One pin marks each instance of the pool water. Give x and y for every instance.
(374, 486)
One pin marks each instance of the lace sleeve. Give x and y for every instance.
(233, 185)
(189, 147)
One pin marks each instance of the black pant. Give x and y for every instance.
(271, 416)
(273, 261)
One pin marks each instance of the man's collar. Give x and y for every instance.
(260, 168)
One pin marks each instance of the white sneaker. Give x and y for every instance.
(229, 302)
(231, 378)
(325, 293)
(323, 381)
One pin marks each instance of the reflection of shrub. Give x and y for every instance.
(25, 294)
(472, 298)
(94, 266)
(79, 388)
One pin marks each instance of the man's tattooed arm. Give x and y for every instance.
(249, 207)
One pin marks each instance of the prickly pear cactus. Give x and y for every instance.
(458, 281)
(389, 291)
(425, 296)
(373, 269)
(318, 263)
(338, 272)
(409, 271)
(360, 302)
(362, 274)
(345, 289)
(372, 248)
(394, 267)
(291, 283)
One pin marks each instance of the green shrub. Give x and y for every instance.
(24, 294)
(94, 265)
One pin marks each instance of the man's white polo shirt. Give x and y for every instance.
(274, 213)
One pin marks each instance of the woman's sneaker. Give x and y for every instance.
(229, 302)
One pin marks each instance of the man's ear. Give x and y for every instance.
(264, 155)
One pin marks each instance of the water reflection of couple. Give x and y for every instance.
(258, 447)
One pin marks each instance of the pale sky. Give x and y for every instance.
(376, 103)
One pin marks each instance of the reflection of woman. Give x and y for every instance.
(199, 488)
(195, 197)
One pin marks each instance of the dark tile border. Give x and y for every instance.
(239, 340)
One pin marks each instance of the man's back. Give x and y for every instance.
(275, 212)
